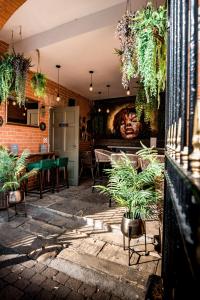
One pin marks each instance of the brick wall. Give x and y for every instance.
(30, 137)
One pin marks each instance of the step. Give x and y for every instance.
(122, 281)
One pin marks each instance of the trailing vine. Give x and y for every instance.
(21, 66)
(13, 75)
(142, 50)
(144, 107)
(127, 49)
(38, 80)
(6, 76)
(149, 28)
(38, 84)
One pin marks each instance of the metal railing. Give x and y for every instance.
(181, 227)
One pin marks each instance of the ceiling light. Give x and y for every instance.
(99, 110)
(128, 92)
(91, 86)
(58, 93)
(108, 110)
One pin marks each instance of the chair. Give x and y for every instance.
(61, 165)
(87, 162)
(103, 160)
(144, 163)
(116, 157)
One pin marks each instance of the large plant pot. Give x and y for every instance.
(130, 227)
(15, 197)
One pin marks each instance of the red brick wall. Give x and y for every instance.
(30, 137)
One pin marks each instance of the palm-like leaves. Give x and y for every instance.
(12, 169)
(131, 189)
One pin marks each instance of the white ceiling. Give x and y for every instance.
(79, 35)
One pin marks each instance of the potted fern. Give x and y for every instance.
(13, 174)
(137, 191)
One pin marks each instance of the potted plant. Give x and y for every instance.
(13, 174)
(137, 191)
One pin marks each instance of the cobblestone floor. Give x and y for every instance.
(21, 278)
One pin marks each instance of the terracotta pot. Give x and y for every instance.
(15, 196)
(130, 227)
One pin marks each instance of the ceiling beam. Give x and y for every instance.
(100, 19)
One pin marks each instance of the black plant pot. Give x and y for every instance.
(131, 227)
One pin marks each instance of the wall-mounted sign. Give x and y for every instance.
(63, 124)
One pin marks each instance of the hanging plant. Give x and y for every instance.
(13, 75)
(38, 84)
(144, 107)
(21, 66)
(149, 29)
(39, 81)
(6, 76)
(127, 49)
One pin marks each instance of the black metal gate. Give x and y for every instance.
(181, 232)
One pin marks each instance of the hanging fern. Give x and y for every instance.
(6, 76)
(38, 84)
(21, 66)
(126, 51)
(142, 106)
(149, 29)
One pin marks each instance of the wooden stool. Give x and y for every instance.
(61, 163)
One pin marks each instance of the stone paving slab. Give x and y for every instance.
(20, 282)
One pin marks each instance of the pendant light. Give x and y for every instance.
(58, 93)
(108, 87)
(128, 92)
(91, 86)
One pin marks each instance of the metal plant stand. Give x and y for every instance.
(130, 249)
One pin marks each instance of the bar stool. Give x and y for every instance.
(61, 164)
(45, 176)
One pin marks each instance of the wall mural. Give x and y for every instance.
(123, 122)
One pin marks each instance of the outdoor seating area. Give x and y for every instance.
(99, 150)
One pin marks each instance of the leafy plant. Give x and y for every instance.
(13, 75)
(131, 189)
(12, 170)
(38, 84)
(144, 107)
(6, 76)
(127, 49)
(149, 28)
(21, 66)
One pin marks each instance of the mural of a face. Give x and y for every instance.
(126, 122)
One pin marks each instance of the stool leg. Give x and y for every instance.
(40, 183)
(58, 179)
(67, 179)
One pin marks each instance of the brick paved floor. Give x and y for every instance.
(21, 278)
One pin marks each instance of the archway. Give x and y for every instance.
(7, 8)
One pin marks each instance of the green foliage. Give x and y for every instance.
(143, 37)
(6, 76)
(149, 29)
(13, 75)
(143, 106)
(38, 84)
(21, 66)
(12, 169)
(134, 190)
(127, 49)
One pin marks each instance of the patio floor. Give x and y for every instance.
(76, 234)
